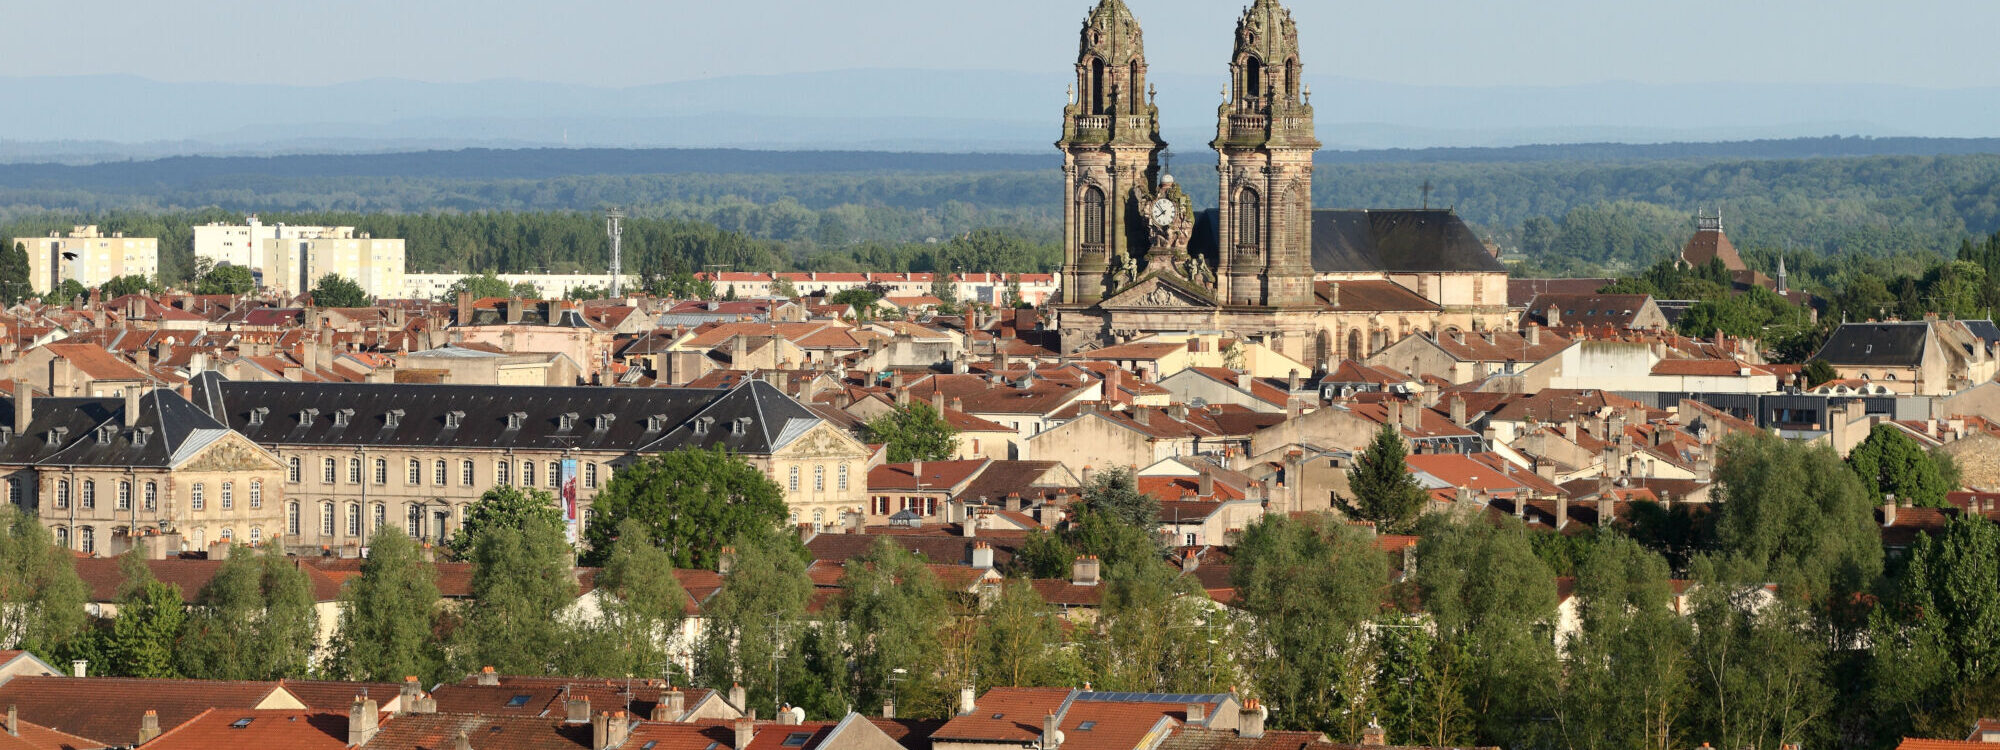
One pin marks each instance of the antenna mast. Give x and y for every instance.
(612, 225)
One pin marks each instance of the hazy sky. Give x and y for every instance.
(1932, 43)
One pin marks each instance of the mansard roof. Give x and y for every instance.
(1379, 241)
(550, 418)
(66, 432)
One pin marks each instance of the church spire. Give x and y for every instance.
(1265, 140)
(1111, 147)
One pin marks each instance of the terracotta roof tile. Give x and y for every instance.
(109, 709)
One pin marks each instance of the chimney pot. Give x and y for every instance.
(966, 701)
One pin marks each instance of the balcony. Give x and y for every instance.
(1247, 125)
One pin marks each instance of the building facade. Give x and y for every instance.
(243, 244)
(88, 256)
(295, 265)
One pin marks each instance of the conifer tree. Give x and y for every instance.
(1382, 489)
(387, 616)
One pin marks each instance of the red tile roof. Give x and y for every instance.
(1005, 714)
(264, 730)
(31, 736)
(109, 709)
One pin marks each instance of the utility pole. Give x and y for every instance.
(613, 219)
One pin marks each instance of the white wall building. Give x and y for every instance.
(243, 244)
(547, 285)
(89, 256)
(294, 265)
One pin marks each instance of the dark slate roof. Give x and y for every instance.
(173, 430)
(773, 419)
(1984, 329)
(1369, 241)
(1876, 344)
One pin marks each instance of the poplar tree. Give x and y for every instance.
(1489, 593)
(1307, 587)
(643, 602)
(522, 581)
(1796, 514)
(1154, 631)
(1627, 678)
(895, 611)
(143, 637)
(387, 616)
(41, 598)
(762, 601)
(1019, 636)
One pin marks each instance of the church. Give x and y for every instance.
(1316, 285)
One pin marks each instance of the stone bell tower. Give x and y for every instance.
(1264, 135)
(1111, 146)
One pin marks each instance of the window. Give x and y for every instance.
(381, 516)
(555, 473)
(590, 476)
(1190, 540)
(517, 701)
(527, 473)
(228, 535)
(292, 518)
(792, 479)
(228, 495)
(256, 494)
(415, 524)
(465, 472)
(326, 519)
(441, 473)
(14, 491)
(797, 739)
(1093, 216)
(819, 479)
(502, 472)
(354, 471)
(819, 516)
(62, 493)
(326, 471)
(124, 499)
(354, 519)
(292, 470)
(381, 471)
(152, 496)
(198, 496)
(841, 477)
(62, 537)
(88, 536)
(89, 494)
(256, 534)
(1249, 218)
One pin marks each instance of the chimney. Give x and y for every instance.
(149, 725)
(461, 741)
(746, 730)
(1458, 410)
(982, 555)
(24, 406)
(738, 697)
(413, 699)
(1190, 562)
(1606, 510)
(1562, 511)
(966, 701)
(1534, 335)
(1889, 514)
(1083, 572)
(1292, 382)
(1374, 736)
(1052, 737)
(13, 721)
(1250, 723)
(968, 525)
(1206, 483)
(1554, 316)
(362, 721)
(889, 708)
(1413, 416)
(79, 668)
(1243, 381)
(724, 563)
(1295, 407)
(1197, 713)
(607, 730)
(488, 677)
(576, 710)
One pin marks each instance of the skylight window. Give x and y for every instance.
(243, 723)
(797, 739)
(517, 701)
(1086, 726)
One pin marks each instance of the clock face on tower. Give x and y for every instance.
(1163, 212)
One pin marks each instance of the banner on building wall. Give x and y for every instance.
(569, 498)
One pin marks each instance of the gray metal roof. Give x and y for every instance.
(1367, 241)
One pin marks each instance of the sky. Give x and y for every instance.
(616, 43)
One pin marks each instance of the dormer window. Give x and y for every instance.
(741, 426)
(516, 419)
(603, 422)
(452, 419)
(257, 415)
(701, 425)
(656, 423)
(342, 416)
(104, 434)
(139, 437)
(56, 435)
(6, 434)
(393, 418)
(307, 416)
(566, 422)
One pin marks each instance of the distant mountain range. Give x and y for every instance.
(97, 118)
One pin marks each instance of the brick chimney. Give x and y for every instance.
(149, 725)
(1084, 571)
(672, 704)
(575, 710)
(362, 721)
(1374, 736)
(413, 699)
(13, 721)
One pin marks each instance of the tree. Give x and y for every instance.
(783, 287)
(946, 291)
(132, 284)
(916, 432)
(1793, 512)
(334, 290)
(1020, 639)
(227, 279)
(521, 583)
(861, 298)
(1013, 297)
(1818, 372)
(1626, 677)
(525, 290)
(1761, 668)
(1492, 598)
(762, 600)
(388, 614)
(503, 506)
(42, 600)
(1383, 489)
(690, 502)
(481, 286)
(644, 602)
(894, 612)
(581, 293)
(68, 291)
(1155, 630)
(143, 637)
(14, 286)
(1936, 663)
(252, 621)
(1889, 463)
(1307, 587)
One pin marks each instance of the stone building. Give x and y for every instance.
(1315, 285)
(351, 458)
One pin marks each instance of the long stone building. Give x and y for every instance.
(1316, 285)
(326, 465)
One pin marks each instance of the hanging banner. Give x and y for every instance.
(569, 498)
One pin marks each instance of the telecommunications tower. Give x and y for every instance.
(612, 219)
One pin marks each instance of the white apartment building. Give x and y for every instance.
(88, 256)
(547, 285)
(294, 265)
(243, 244)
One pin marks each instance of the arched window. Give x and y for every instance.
(354, 471)
(292, 470)
(527, 473)
(62, 494)
(326, 519)
(124, 495)
(256, 534)
(228, 495)
(465, 472)
(256, 494)
(89, 494)
(1253, 78)
(381, 471)
(381, 516)
(228, 535)
(441, 473)
(152, 496)
(198, 496)
(87, 537)
(416, 472)
(1249, 218)
(819, 516)
(842, 476)
(555, 474)
(501, 472)
(1095, 96)
(292, 518)
(1292, 77)
(354, 519)
(62, 537)
(1093, 216)
(327, 468)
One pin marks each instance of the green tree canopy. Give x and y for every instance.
(41, 598)
(480, 286)
(1308, 586)
(1020, 639)
(1889, 463)
(14, 285)
(1383, 489)
(521, 583)
(1796, 513)
(253, 621)
(388, 614)
(68, 291)
(503, 506)
(916, 432)
(762, 601)
(228, 279)
(689, 502)
(133, 284)
(334, 290)
(1627, 678)
(895, 610)
(1489, 594)
(143, 637)
(646, 603)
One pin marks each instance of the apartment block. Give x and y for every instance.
(293, 266)
(89, 256)
(243, 244)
